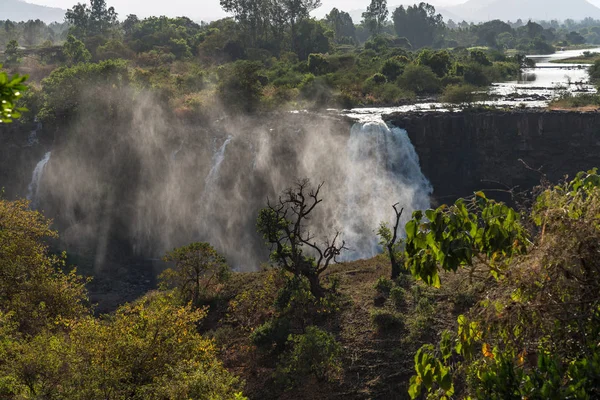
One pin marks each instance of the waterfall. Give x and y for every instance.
(213, 175)
(36, 179)
(385, 170)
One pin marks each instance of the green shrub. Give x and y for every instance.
(392, 69)
(384, 286)
(458, 94)
(318, 64)
(398, 297)
(272, 334)
(419, 79)
(386, 321)
(315, 353)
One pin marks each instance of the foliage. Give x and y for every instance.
(418, 23)
(283, 225)
(420, 79)
(11, 90)
(315, 353)
(386, 321)
(12, 52)
(459, 94)
(375, 16)
(75, 51)
(453, 237)
(33, 289)
(64, 89)
(94, 20)
(198, 274)
(529, 337)
(398, 296)
(384, 286)
(147, 350)
(240, 86)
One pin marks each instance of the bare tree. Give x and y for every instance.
(389, 239)
(284, 226)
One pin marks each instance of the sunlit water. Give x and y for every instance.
(535, 88)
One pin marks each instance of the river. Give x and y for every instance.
(535, 88)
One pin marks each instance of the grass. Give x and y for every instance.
(581, 102)
(379, 340)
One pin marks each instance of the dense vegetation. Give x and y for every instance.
(488, 301)
(272, 54)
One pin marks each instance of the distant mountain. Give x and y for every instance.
(512, 10)
(17, 10)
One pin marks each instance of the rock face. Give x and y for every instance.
(468, 151)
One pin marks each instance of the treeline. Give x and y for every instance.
(273, 54)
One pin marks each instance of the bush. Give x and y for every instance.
(474, 74)
(398, 297)
(240, 85)
(386, 321)
(419, 79)
(384, 286)
(318, 64)
(459, 94)
(392, 69)
(198, 274)
(271, 335)
(315, 353)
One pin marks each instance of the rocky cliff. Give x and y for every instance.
(467, 151)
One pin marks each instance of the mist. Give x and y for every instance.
(133, 181)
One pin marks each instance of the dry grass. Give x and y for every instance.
(377, 364)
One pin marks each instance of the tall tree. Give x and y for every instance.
(297, 11)
(342, 25)
(375, 16)
(94, 20)
(419, 24)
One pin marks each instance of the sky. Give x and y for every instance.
(210, 9)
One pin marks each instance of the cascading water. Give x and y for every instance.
(385, 171)
(36, 179)
(155, 192)
(216, 166)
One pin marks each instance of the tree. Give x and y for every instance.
(12, 52)
(32, 32)
(240, 85)
(297, 11)
(375, 16)
(75, 51)
(419, 24)
(312, 38)
(530, 334)
(575, 38)
(389, 239)
(150, 349)
(420, 79)
(438, 61)
(198, 272)
(33, 287)
(343, 27)
(284, 227)
(95, 20)
(130, 23)
(11, 90)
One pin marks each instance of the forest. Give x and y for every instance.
(476, 299)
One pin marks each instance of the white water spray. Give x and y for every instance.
(36, 179)
(384, 171)
(213, 175)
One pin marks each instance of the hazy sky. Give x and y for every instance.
(210, 9)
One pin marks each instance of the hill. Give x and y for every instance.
(512, 10)
(17, 10)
